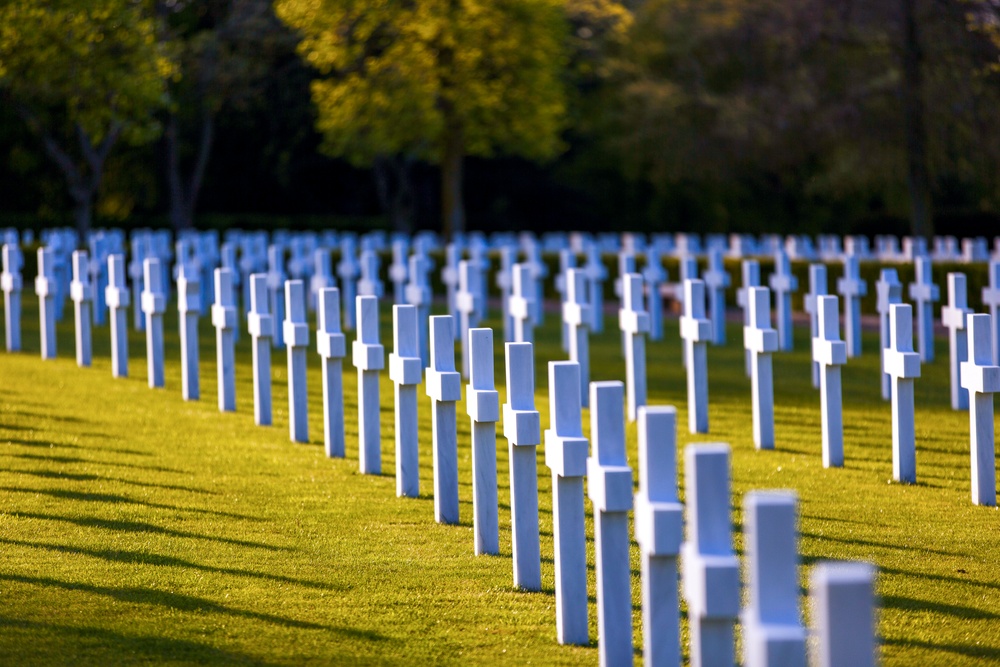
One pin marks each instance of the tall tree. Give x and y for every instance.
(83, 75)
(435, 79)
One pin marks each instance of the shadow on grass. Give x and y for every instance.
(125, 649)
(878, 545)
(913, 604)
(64, 494)
(74, 459)
(90, 477)
(180, 602)
(140, 558)
(960, 649)
(143, 527)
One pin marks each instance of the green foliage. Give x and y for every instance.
(398, 77)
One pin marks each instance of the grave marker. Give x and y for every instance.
(398, 270)
(450, 278)
(576, 314)
(322, 277)
(224, 320)
(610, 491)
(483, 407)
(117, 297)
(596, 273)
(141, 249)
(761, 340)
(154, 304)
(188, 307)
(783, 283)
(46, 289)
(953, 317)
(332, 347)
(711, 576)
(465, 303)
(82, 295)
(829, 354)
(12, 285)
(659, 528)
(696, 330)
(521, 304)
(902, 365)
(418, 293)
(347, 271)
(981, 378)
(276, 290)
(716, 281)
(991, 301)
(750, 269)
(654, 275)
(370, 284)
(634, 323)
(505, 282)
(443, 386)
(889, 291)
(924, 293)
(851, 288)
(566, 457)
(369, 359)
(260, 325)
(817, 289)
(843, 599)
(296, 336)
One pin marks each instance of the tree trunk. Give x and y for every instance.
(394, 185)
(82, 215)
(914, 123)
(452, 207)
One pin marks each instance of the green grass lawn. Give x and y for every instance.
(139, 528)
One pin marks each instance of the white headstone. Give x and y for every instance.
(750, 269)
(322, 277)
(12, 285)
(829, 353)
(443, 386)
(889, 292)
(851, 288)
(369, 358)
(634, 323)
(224, 320)
(711, 576)
(450, 279)
(82, 295)
(991, 301)
(117, 298)
(953, 318)
(659, 528)
(923, 292)
(596, 274)
(610, 490)
(505, 282)
(761, 341)
(654, 275)
(696, 331)
(716, 281)
(260, 325)
(981, 378)
(347, 271)
(539, 270)
(399, 271)
(418, 293)
(576, 314)
(141, 248)
(843, 604)
(45, 288)
(370, 284)
(276, 290)
(296, 335)
(154, 304)
(783, 283)
(902, 365)
(188, 308)
(332, 348)
(483, 406)
(773, 635)
(521, 304)
(566, 457)
(465, 304)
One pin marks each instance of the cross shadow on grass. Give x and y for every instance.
(90, 477)
(76, 459)
(114, 498)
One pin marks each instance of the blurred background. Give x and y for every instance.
(835, 116)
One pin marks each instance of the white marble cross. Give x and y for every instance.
(991, 301)
(773, 634)
(902, 365)
(82, 294)
(97, 266)
(716, 281)
(188, 307)
(418, 293)
(480, 261)
(224, 320)
(659, 530)
(566, 457)
(369, 358)
(688, 271)
(539, 270)
(851, 288)
(276, 290)
(981, 378)
(12, 285)
(843, 604)
(567, 261)
(370, 284)
(347, 270)
(696, 330)
(260, 325)
(654, 275)
(634, 323)
(450, 278)
(521, 300)
(576, 314)
(332, 348)
(398, 270)
(610, 490)
(296, 334)
(154, 304)
(522, 429)
(596, 274)
(141, 248)
(711, 572)
(444, 387)
(322, 276)
(889, 292)
(750, 270)
(953, 317)
(783, 283)
(762, 341)
(829, 353)
(117, 297)
(923, 292)
(45, 288)
(465, 304)
(817, 289)
(483, 407)
(505, 282)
